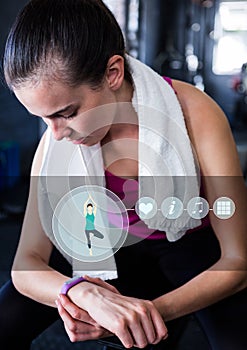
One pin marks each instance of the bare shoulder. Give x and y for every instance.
(209, 131)
(201, 112)
(38, 157)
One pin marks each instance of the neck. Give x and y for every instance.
(126, 120)
(125, 92)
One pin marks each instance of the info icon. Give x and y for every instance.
(172, 208)
(224, 208)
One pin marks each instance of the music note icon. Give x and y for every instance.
(198, 208)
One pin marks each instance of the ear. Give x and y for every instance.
(115, 72)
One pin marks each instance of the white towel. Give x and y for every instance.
(164, 151)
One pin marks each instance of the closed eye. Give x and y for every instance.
(58, 115)
(71, 116)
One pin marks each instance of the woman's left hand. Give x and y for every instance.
(77, 322)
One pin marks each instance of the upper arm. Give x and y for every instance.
(216, 151)
(33, 240)
(85, 209)
(209, 132)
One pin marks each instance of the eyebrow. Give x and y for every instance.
(65, 109)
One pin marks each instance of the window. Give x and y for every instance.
(127, 15)
(118, 9)
(230, 35)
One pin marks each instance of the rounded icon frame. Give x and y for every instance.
(172, 208)
(198, 208)
(146, 202)
(60, 233)
(224, 209)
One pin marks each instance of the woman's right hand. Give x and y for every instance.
(77, 323)
(135, 322)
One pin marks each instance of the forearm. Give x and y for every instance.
(36, 280)
(205, 289)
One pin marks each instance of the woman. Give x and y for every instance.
(64, 60)
(90, 231)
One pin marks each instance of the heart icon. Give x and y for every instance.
(146, 208)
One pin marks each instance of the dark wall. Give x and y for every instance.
(15, 123)
(166, 36)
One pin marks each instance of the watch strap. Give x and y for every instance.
(71, 283)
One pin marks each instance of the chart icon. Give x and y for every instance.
(224, 208)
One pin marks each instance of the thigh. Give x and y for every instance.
(224, 323)
(139, 276)
(98, 234)
(184, 259)
(21, 318)
(138, 272)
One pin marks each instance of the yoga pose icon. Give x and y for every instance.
(90, 210)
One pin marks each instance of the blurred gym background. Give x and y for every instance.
(202, 42)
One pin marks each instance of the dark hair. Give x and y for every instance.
(71, 40)
(89, 205)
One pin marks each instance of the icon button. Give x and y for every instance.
(198, 208)
(146, 208)
(224, 208)
(172, 208)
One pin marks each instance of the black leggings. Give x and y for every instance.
(146, 270)
(95, 233)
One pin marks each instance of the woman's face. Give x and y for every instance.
(79, 114)
(90, 209)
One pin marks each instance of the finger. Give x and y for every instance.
(86, 332)
(75, 312)
(79, 331)
(73, 325)
(106, 334)
(67, 319)
(148, 327)
(159, 325)
(101, 283)
(139, 336)
(90, 334)
(136, 328)
(125, 336)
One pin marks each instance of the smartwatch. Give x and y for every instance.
(71, 283)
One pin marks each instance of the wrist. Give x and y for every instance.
(70, 284)
(80, 294)
(163, 307)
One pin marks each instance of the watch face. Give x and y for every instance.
(90, 223)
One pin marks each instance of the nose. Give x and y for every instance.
(59, 128)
